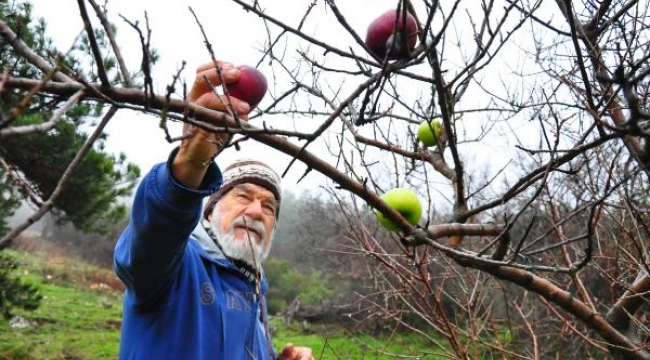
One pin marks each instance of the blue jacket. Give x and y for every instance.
(181, 302)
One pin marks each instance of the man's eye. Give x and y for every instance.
(269, 209)
(243, 197)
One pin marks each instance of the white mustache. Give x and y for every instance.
(252, 225)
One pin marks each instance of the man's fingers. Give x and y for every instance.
(218, 102)
(207, 77)
(291, 352)
(229, 74)
(304, 353)
(211, 65)
(287, 352)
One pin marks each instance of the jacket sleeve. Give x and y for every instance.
(149, 251)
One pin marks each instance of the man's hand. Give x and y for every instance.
(199, 146)
(291, 352)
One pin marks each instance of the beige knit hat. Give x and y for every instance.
(246, 171)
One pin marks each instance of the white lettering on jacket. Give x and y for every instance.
(208, 295)
(239, 300)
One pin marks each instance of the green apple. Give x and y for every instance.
(405, 202)
(429, 132)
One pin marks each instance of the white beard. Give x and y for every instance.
(250, 250)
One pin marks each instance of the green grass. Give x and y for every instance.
(337, 345)
(74, 321)
(80, 315)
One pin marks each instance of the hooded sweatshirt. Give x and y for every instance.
(184, 299)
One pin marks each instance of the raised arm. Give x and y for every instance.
(167, 205)
(199, 147)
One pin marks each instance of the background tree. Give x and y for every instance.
(41, 135)
(535, 215)
(9, 201)
(14, 292)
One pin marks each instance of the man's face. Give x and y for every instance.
(243, 221)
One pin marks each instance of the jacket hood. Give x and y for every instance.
(207, 243)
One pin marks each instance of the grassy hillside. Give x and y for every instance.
(80, 317)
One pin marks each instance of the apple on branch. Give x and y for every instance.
(405, 202)
(385, 39)
(251, 86)
(429, 132)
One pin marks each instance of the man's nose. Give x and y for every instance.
(254, 209)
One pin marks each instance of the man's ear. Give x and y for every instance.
(206, 222)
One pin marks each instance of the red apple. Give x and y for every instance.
(251, 86)
(383, 40)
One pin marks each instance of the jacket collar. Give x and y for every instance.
(207, 243)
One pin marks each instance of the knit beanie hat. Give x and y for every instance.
(246, 171)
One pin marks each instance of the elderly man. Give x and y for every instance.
(197, 292)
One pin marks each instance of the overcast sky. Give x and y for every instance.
(236, 36)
